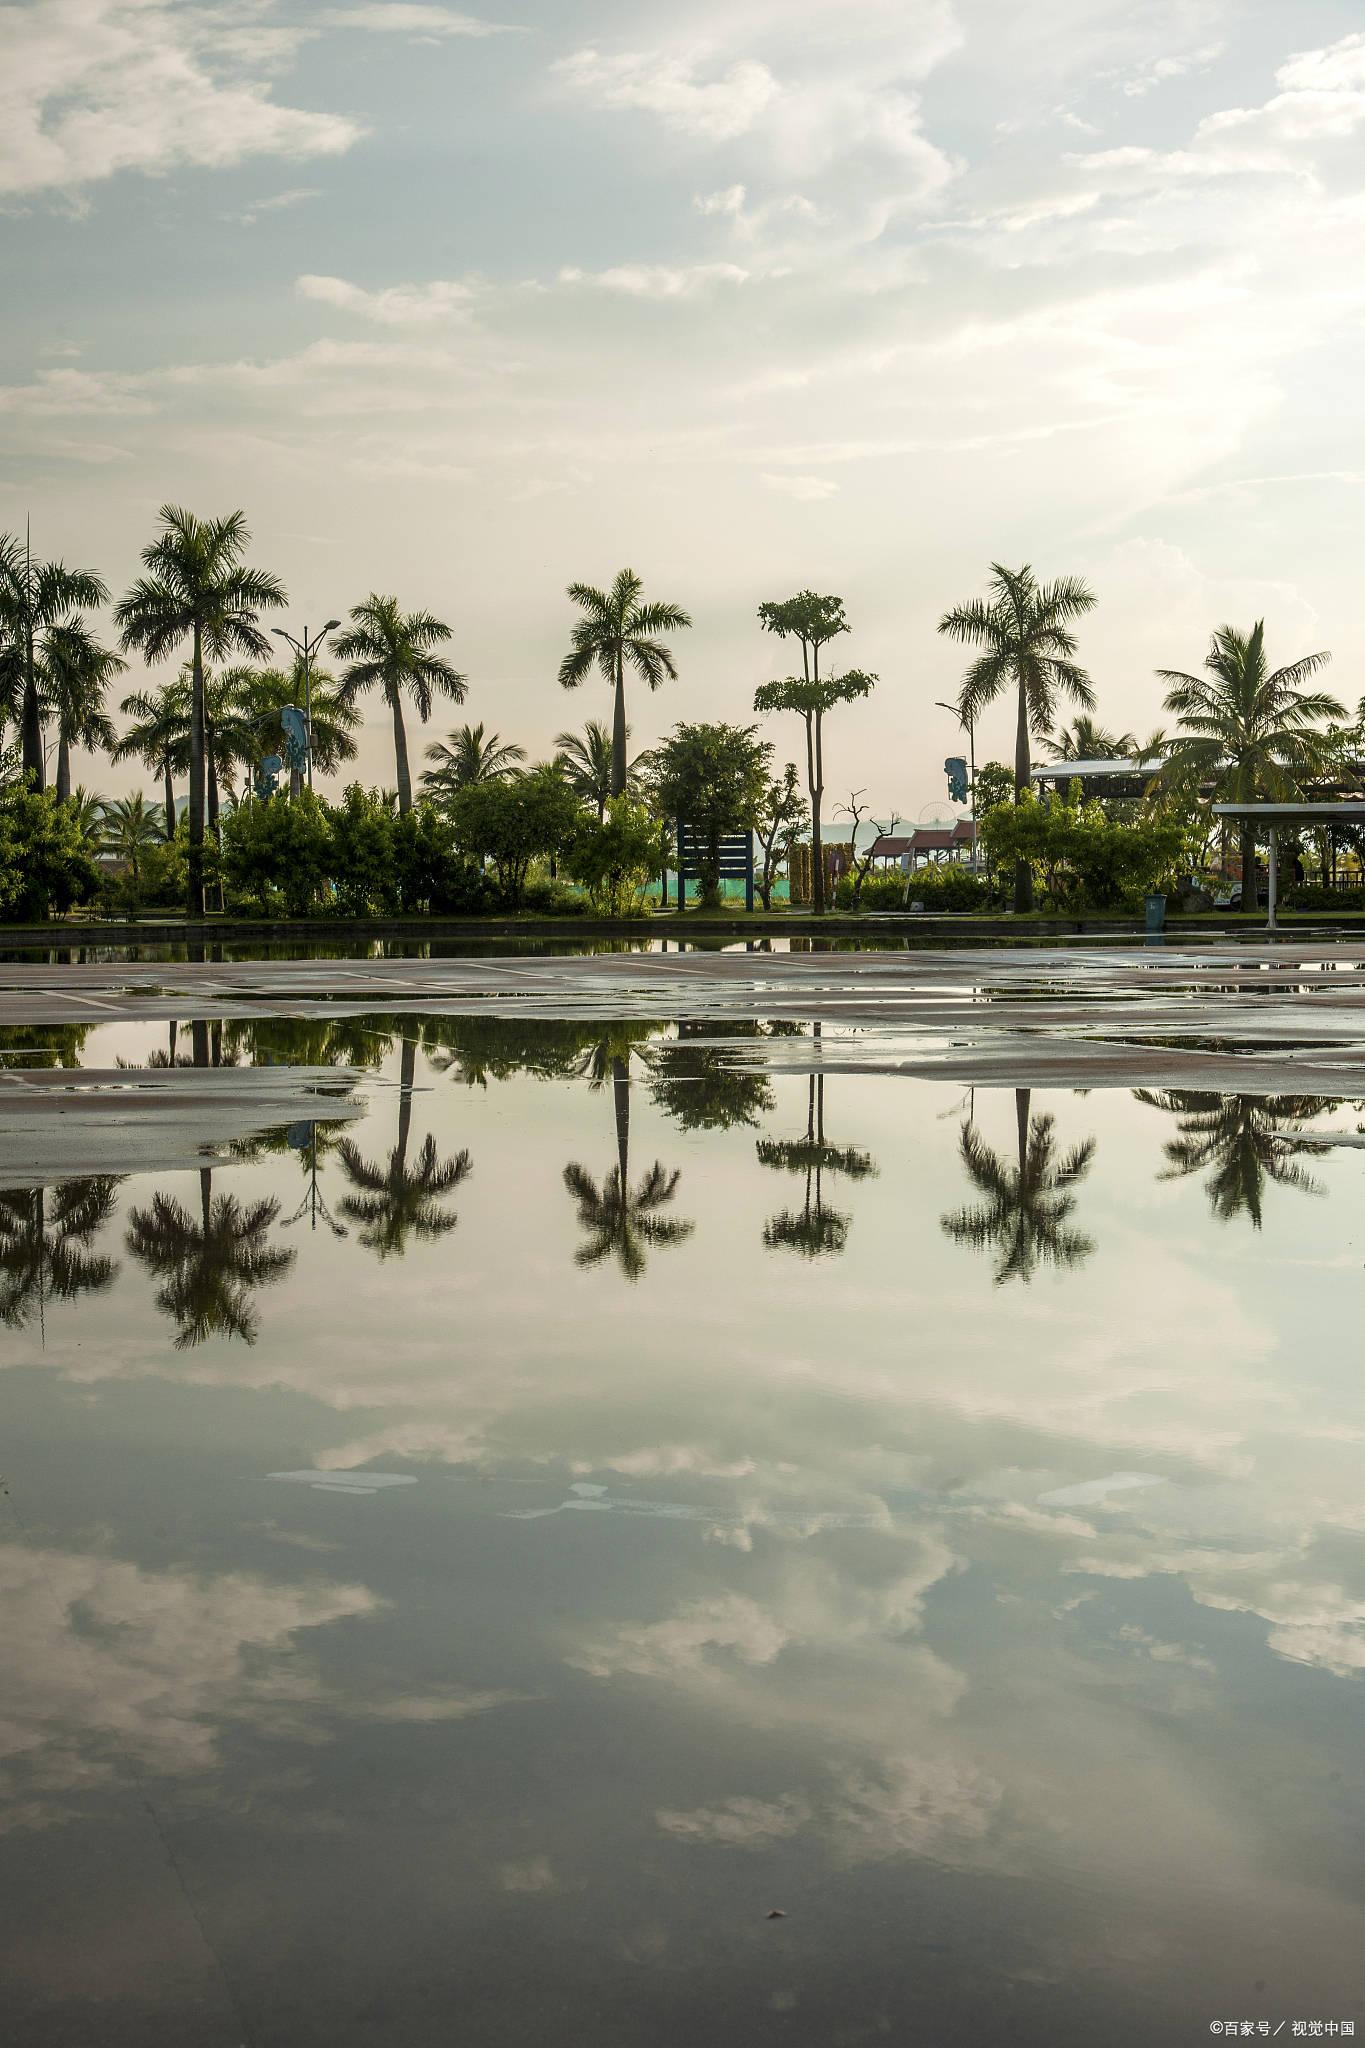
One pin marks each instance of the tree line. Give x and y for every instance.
(1242, 728)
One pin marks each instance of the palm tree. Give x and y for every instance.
(616, 632)
(1247, 730)
(815, 1230)
(395, 1201)
(210, 1264)
(392, 651)
(45, 1250)
(266, 693)
(87, 813)
(585, 758)
(131, 827)
(76, 672)
(1087, 740)
(467, 757)
(1024, 630)
(622, 1220)
(39, 601)
(1244, 1141)
(160, 720)
(198, 589)
(1025, 1217)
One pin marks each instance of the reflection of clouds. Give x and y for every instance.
(739, 1823)
(145, 1666)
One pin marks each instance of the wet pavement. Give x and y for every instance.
(681, 1498)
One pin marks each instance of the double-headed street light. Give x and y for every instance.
(305, 650)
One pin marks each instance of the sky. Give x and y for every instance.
(749, 296)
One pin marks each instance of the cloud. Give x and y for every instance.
(657, 280)
(704, 108)
(739, 1823)
(398, 305)
(1166, 68)
(277, 203)
(388, 17)
(93, 87)
(807, 490)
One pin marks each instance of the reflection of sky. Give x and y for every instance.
(745, 1586)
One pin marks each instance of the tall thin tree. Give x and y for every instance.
(617, 632)
(37, 601)
(1023, 628)
(393, 651)
(198, 588)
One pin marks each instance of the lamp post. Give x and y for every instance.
(305, 650)
(969, 727)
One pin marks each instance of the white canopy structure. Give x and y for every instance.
(1346, 811)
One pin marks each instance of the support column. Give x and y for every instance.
(1272, 883)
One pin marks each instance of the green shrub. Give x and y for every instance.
(44, 865)
(618, 858)
(1313, 896)
(277, 855)
(514, 821)
(430, 872)
(360, 854)
(948, 887)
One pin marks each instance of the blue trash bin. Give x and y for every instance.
(1156, 913)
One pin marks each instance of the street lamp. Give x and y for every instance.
(305, 650)
(969, 727)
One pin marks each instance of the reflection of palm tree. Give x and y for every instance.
(208, 1264)
(45, 1251)
(813, 1229)
(1246, 1140)
(1028, 1204)
(396, 1201)
(622, 1220)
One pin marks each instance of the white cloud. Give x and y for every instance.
(278, 202)
(398, 305)
(739, 1823)
(708, 109)
(1164, 68)
(389, 17)
(657, 280)
(807, 490)
(93, 87)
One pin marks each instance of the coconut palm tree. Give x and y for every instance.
(618, 632)
(1088, 740)
(210, 1264)
(39, 601)
(131, 827)
(814, 1230)
(198, 589)
(46, 1236)
(87, 813)
(76, 672)
(468, 756)
(585, 758)
(1242, 1141)
(394, 1200)
(160, 724)
(1245, 729)
(393, 652)
(1025, 1217)
(267, 693)
(622, 1220)
(1023, 628)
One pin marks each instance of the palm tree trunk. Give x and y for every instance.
(205, 1198)
(1023, 1098)
(32, 720)
(1023, 873)
(196, 850)
(1248, 868)
(169, 790)
(400, 751)
(618, 729)
(620, 1096)
(212, 788)
(63, 768)
(407, 1070)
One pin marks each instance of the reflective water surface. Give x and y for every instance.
(465, 1571)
